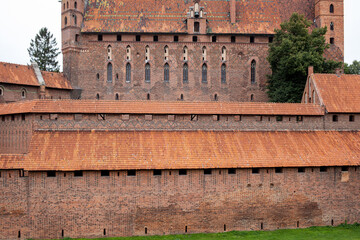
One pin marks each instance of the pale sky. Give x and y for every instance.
(21, 20)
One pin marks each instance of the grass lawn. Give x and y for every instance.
(342, 232)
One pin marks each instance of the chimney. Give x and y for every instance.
(233, 11)
(310, 70)
(42, 92)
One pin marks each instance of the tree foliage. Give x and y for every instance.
(353, 68)
(43, 50)
(292, 51)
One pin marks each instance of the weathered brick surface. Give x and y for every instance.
(41, 206)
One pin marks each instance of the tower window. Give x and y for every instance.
(335, 118)
(252, 39)
(100, 37)
(147, 53)
(75, 19)
(223, 54)
(176, 38)
(109, 72)
(75, 5)
(196, 27)
(97, 96)
(204, 73)
(253, 72)
(251, 97)
(331, 8)
(76, 37)
(213, 38)
(128, 53)
(109, 52)
(138, 38)
(156, 38)
(97, 76)
(128, 72)
(204, 53)
(147, 72)
(185, 73)
(118, 38)
(166, 72)
(65, 21)
(166, 53)
(351, 118)
(117, 96)
(223, 73)
(195, 39)
(148, 96)
(23, 93)
(233, 39)
(67, 4)
(332, 40)
(185, 53)
(332, 26)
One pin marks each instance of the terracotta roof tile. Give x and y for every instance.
(67, 151)
(17, 74)
(55, 80)
(154, 107)
(12, 161)
(339, 94)
(252, 17)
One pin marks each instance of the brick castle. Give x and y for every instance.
(160, 125)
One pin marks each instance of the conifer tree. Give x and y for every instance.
(293, 50)
(43, 50)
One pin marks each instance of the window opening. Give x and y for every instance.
(204, 53)
(182, 172)
(22, 117)
(332, 26)
(128, 72)
(193, 117)
(77, 37)
(278, 170)
(138, 38)
(223, 73)
(332, 222)
(166, 53)
(62, 233)
(332, 40)
(97, 96)
(279, 118)
(297, 224)
(252, 97)
(196, 27)
(147, 53)
(323, 169)
(146, 231)
(118, 38)
(252, 39)
(215, 97)
(253, 71)
(109, 52)
(299, 118)
(186, 229)
(182, 97)
(223, 54)
(233, 39)
(255, 171)
(67, 4)
(117, 96)
(97, 76)
(231, 171)
(75, 5)
(335, 118)
(344, 169)
(105, 173)
(157, 172)
(100, 37)
(351, 118)
(331, 8)
(51, 174)
(65, 20)
(104, 231)
(75, 19)
(19, 234)
(207, 171)
(147, 72)
(156, 38)
(78, 173)
(195, 38)
(301, 170)
(128, 53)
(148, 96)
(224, 227)
(1, 91)
(131, 173)
(185, 73)
(271, 39)
(176, 38)
(213, 38)
(262, 226)
(185, 53)
(204, 73)
(109, 72)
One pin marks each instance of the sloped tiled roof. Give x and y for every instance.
(339, 94)
(12, 161)
(24, 75)
(164, 16)
(157, 107)
(67, 151)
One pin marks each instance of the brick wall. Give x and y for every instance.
(43, 207)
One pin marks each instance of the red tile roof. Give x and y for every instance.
(95, 150)
(339, 94)
(12, 161)
(252, 17)
(154, 107)
(25, 75)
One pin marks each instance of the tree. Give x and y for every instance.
(43, 51)
(292, 51)
(353, 68)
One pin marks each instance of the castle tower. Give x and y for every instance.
(330, 13)
(72, 14)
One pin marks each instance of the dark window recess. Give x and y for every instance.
(344, 169)
(147, 72)
(231, 171)
(223, 73)
(3, 118)
(196, 27)
(182, 172)
(233, 39)
(156, 38)
(323, 169)
(148, 96)
(224, 227)
(118, 38)
(332, 26)
(131, 173)
(215, 99)
(104, 231)
(78, 173)
(166, 73)
(146, 231)
(253, 72)
(138, 38)
(255, 171)
(297, 224)
(213, 38)
(109, 72)
(332, 222)
(100, 37)
(271, 39)
(194, 38)
(279, 118)
(51, 174)
(204, 74)
(262, 226)
(157, 172)
(332, 40)
(299, 118)
(331, 8)
(193, 117)
(207, 171)
(62, 233)
(335, 118)
(186, 229)
(23, 117)
(97, 96)
(76, 37)
(105, 173)
(278, 170)
(185, 73)
(182, 97)
(128, 72)
(117, 96)
(12, 117)
(252, 39)
(351, 118)
(301, 170)
(97, 76)
(19, 234)
(176, 38)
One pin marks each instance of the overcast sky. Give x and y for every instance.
(21, 20)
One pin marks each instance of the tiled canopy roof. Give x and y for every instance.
(155, 107)
(25, 75)
(166, 16)
(339, 94)
(67, 151)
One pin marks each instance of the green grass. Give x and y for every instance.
(342, 232)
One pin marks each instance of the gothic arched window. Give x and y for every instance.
(331, 8)
(166, 73)
(204, 53)
(166, 53)
(128, 72)
(223, 54)
(65, 21)
(332, 26)
(147, 72)
(253, 71)
(75, 5)
(185, 53)
(185, 73)
(109, 52)
(204, 73)
(128, 53)
(109, 72)
(223, 73)
(147, 53)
